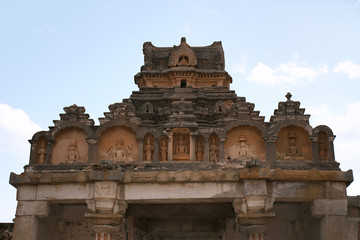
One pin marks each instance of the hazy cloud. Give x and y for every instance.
(349, 68)
(290, 72)
(15, 130)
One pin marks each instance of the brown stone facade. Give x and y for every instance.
(183, 158)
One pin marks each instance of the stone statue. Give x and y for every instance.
(241, 149)
(119, 151)
(148, 149)
(292, 151)
(163, 150)
(41, 153)
(199, 151)
(73, 154)
(213, 151)
(181, 147)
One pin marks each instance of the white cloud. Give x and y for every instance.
(349, 68)
(15, 130)
(290, 72)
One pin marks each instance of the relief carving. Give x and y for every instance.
(163, 148)
(323, 149)
(214, 149)
(292, 151)
(120, 151)
(41, 154)
(181, 147)
(241, 149)
(199, 149)
(148, 149)
(73, 154)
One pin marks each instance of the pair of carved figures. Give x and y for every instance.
(120, 151)
(72, 155)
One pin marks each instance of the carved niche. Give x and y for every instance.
(70, 146)
(181, 145)
(41, 151)
(163, 148)
(199, 148)
(148, 148)
(244, 142)
(293, 143)
(118, 144)
(214, 148)
(323, 146)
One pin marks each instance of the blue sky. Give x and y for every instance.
(57, 53)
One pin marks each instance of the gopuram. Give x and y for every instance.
(184, 158)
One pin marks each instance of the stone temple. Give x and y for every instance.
(184, 158)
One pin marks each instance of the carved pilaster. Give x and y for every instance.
(315, 148)
(93, 149)
(49, 146)
(170, 146)
(270, 149)
(192, 147)
(206, 149)
(221, 149)
(331, 153)
(140, 149)
(33, 152)
(156, 150)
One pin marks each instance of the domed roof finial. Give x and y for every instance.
(288, 96)
(183, 40)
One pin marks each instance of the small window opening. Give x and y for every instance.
(183, 83)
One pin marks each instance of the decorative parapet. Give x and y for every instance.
(74, 113)
(124, 110)
(289, 110)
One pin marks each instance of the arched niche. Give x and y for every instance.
(243, 143)
(118, 144)
(323, 146)
(163, 148)
(181, 144)
(293, 143)
(199, 149)
(41, 151)
(70, 146)
(148, 148)
(214, 148)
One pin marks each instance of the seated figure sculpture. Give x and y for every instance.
(292, 151)
(73, 152)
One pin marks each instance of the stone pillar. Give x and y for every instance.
(331, 153)
(108, 212)
(49, 146)
(33, 152)
(206, 149)
(315, 148)
(170, 147)
(192, 147)
(221, 149)
(156, 150)
(26, 221)
(270, 149)
(333, 217)
(93, 150)
(140, 149)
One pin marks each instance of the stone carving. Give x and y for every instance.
(199, 149)
(148, 108)
(181, 147)
(73, 154)
(183, 55)
(323, 149)
(41, 154)
(5, 231)
(213, 150)
(241, 149)
(292, 151)
(120, 151)
(149, 148)
(105, 189)
(163, 149)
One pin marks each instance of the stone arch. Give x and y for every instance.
(182, 55)
(147, 108)
(148, 147)
(70, 146)
(214, 148)
(220, 107)
(293, 143)
(163, 148)
(89, 132)
(118, 143)
(260, 126)
(245, 142)
(118, 122)
(275, 128)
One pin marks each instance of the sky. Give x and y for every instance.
(58, 53)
